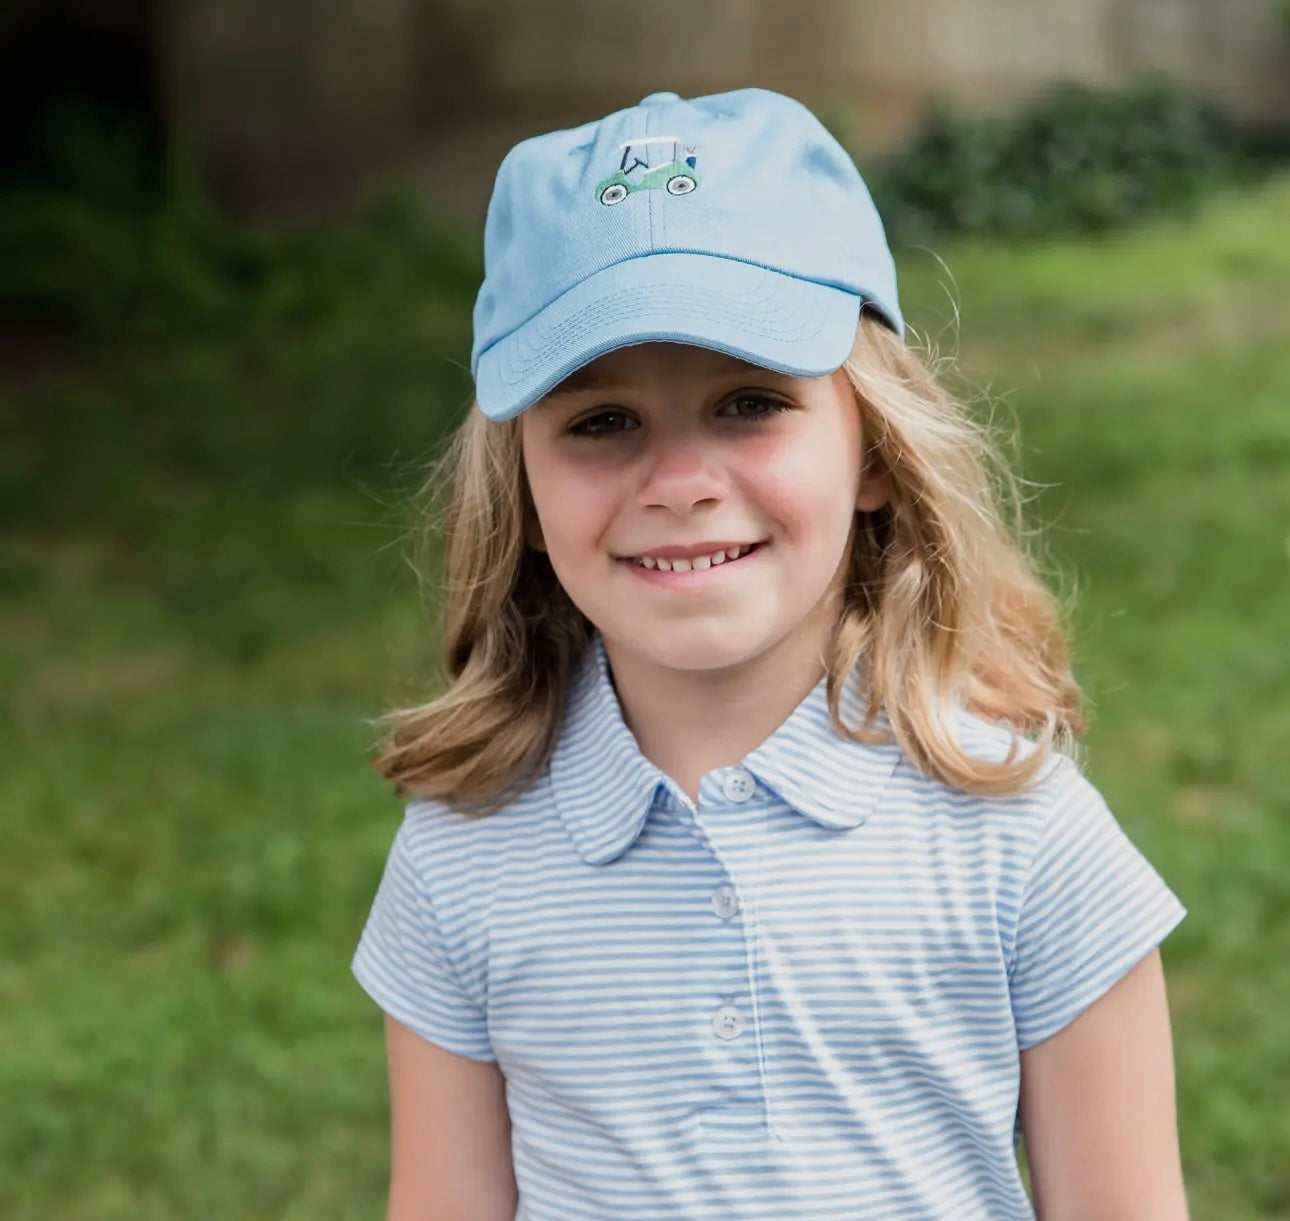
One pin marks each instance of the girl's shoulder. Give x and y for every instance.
(987, 741)
(1059, 784)
(992, 742)
(441, 837)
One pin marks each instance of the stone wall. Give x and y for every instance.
(304, 104)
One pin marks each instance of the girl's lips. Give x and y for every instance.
(694, 576)
(682, 560)
(694, 551)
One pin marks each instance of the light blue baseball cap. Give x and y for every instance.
(734, 222)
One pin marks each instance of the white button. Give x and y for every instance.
(725, 902)
(727, 1023)
(738, 784)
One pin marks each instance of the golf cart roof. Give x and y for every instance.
(651, 140)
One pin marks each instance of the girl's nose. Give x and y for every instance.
(681, 470)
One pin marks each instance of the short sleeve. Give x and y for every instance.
(1092, 908)
(405, 966)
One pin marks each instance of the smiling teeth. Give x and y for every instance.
(699, 562)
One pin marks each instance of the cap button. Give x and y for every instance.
(656, 99)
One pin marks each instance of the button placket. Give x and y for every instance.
(735, 1019)
(728, 1022)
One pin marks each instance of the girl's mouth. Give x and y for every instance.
(698, 563)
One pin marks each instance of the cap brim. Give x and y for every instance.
(794, 326)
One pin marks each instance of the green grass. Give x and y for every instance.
(203, 604)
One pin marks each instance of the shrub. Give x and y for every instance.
(1074, 160)
(107, 237)
(155, 334)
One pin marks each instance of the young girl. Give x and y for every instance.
(745, 877)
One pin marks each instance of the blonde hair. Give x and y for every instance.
(942, 607)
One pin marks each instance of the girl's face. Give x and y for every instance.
(697, 509)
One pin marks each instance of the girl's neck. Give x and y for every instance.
(689, 722)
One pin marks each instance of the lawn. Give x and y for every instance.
(204, 603)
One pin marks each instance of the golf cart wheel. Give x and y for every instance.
(681, 184)
(614, 193)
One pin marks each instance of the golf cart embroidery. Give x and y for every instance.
(676, 176)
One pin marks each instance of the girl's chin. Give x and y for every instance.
(696, 653)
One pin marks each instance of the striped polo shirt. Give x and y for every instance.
(802, 998)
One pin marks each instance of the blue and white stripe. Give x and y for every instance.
(804, 999)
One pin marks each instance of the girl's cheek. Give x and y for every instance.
(800, 480)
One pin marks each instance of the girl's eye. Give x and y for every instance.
(755, 406)
(603, 423)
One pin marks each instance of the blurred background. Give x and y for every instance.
(239, 244)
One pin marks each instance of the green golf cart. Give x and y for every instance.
(677, 176)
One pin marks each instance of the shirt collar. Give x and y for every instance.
(604, 787)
